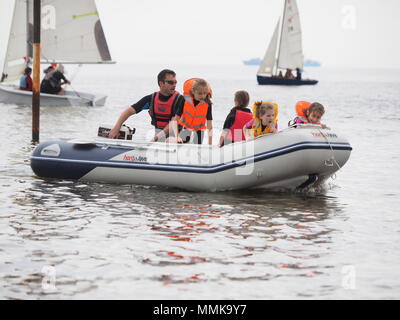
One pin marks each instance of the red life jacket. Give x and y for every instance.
(161, 111)
(236, 131)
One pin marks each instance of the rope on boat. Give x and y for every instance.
(333, 159)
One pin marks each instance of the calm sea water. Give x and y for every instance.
(75, 240)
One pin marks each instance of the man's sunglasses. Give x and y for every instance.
(171, 82)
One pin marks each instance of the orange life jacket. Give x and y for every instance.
(301, 107)
(193, 117)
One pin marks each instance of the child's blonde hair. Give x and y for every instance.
(201, 83)
(242, 99)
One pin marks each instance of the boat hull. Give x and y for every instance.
(266, 80)
(12, 95)
(292, 158)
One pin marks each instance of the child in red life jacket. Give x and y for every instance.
(309, 113)
(265, 120)
(236, 119)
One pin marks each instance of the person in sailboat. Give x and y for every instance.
(25, 83)
(195, 116)
(45, 81)
(52, 81)
(289, 74)
(298, 74)
(265, 120)
(309, 113)
(162, 106)
(239, 115)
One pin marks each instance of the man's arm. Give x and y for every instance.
(122, 118)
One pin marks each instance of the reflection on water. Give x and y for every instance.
(110, 232)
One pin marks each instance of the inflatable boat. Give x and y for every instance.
(296, 157)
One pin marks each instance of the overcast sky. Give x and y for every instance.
(338, 33)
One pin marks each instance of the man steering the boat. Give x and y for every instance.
(162, 106)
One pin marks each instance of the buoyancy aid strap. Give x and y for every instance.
(191, 127)
(151, 108)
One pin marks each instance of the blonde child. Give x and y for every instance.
(195, 115)
(265, 120)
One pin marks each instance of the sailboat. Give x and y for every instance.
(71, 33)
(284, 51)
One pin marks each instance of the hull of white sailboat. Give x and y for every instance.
(12, 95)
(268, 80)
(291, 158)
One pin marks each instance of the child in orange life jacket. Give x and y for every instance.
(195, 116)
(309, 113)
(265, 120)
(236, 119)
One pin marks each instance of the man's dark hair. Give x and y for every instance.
(163, 73)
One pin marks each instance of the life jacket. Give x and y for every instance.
(193, 117)
(257, 123)
(161, 111)
(301, 107)
(25, 83)
(236, 131)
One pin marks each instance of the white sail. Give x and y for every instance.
(268, 62)
(72, 32)
(290, 49)
(16, 55)
(6, 13)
